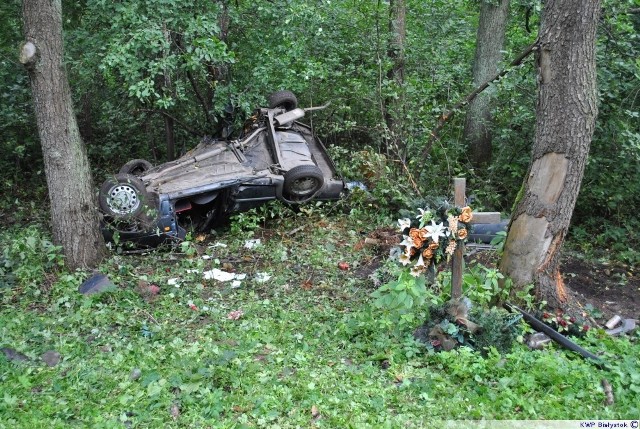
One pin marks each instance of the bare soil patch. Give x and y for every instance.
(610, 287)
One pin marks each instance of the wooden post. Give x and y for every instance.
(459, 185)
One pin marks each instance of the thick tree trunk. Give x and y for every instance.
(565, 121)
(489, 42)
(394, 105)
(74, 216)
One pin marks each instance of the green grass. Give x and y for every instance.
(309, 349)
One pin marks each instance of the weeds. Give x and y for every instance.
(306, 346)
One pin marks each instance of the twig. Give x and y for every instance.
(442, 120)
(149, 316)
(295, 230)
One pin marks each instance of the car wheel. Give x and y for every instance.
(137, 167)
(284, 99)
(301, 183)
(123, 197)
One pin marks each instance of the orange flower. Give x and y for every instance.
(427, 254)
(415, 235)
(434, 246)
(462, 233)
(466, 215)
(424, 233)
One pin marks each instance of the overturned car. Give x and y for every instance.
(275, 158)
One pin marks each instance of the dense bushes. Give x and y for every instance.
(134, 64)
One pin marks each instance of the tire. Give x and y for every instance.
(301, 183)
(123, 197)
(285, 99)
(137, 167)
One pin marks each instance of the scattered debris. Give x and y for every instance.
(538, 341)
(315, 413)
(608, 392)
(252, 244)
(96, 284)
(262, 277)
(235, 315)
(222, 276)
(611, 323)
(556, 336)
(295, 230)
(147, 291)
(51, 358)
(627, 325)
(344, 266)
(14, 355)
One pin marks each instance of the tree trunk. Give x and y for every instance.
(565, 121)
(169, 128)
(73, 206)
(394, 105)
(489, 42)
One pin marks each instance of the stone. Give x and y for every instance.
(14, 355)
(96, 284)
(538, 340)
(51, 358)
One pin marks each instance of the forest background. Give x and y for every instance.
(303, 341)
(150, 78)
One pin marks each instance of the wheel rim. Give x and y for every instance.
(123, 199)
(304, 186)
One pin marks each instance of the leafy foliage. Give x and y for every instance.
(267, 352)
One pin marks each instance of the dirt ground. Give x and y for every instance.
(611, 288)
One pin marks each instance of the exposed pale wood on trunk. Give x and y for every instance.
(565, 121)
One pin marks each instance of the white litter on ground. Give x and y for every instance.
(252, 244)
(262, 277)
(222, 276)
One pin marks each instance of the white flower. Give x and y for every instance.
(405, 257)
(424, 216)
(407, 242)
(404, 224)
(435, 231)
(419, 267)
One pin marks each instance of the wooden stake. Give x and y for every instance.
(459, 185)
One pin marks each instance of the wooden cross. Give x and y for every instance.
(459, 186)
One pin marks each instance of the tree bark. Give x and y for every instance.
(169, 129)
(395, 52)
(489, 43)
(565, 120)
(74, 217)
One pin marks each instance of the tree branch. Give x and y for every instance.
(442, 120)
(177, 121)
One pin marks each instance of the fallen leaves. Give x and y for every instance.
(235, 314)
(315, 413)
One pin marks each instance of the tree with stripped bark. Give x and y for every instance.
(565, 121)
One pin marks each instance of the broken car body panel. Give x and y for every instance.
(277, 158)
